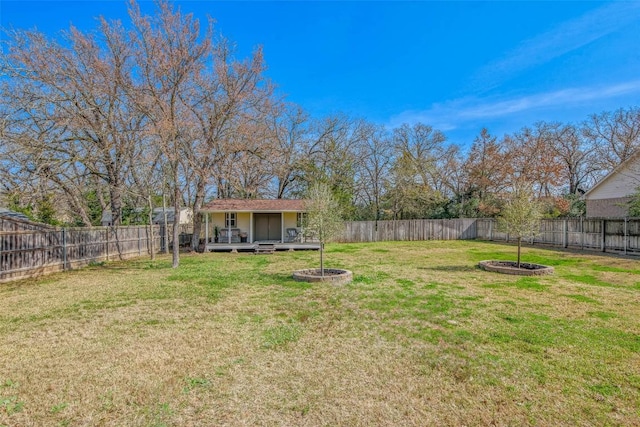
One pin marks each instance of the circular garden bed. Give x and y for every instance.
(511, 267)
(331, 275)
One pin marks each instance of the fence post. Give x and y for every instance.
(625, 235)
(604, 235)
(107, 232)
(581, 232)
(139, 243)
(395, 231)
(490, 229)
(64, 249)
(565, 234)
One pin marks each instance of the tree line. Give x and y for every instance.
(118, 117)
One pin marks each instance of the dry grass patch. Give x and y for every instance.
(421, 337)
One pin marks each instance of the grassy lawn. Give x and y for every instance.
(421, 337)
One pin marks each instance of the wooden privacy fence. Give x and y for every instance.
(184, 237)
(620, 235)
(414, 229)
(28, 249)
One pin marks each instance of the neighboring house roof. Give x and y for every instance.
(186, 216)
(254, 205)
(15, 215)
(12, 221)
(624, 170)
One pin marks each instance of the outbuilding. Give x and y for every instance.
(248, 224)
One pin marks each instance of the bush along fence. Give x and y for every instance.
(617, 235)
(29, 249)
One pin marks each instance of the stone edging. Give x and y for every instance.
(509, 267)
(332, 275)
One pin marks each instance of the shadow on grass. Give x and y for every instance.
(285, 280)
(502, 248)
(451, 268)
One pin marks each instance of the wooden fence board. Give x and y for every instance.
(28, 249)
(409, 230)
(618, 235)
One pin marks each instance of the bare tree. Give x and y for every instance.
(69, 109)
(531, 158)
(575, 155)
(486, 167)
(169, 52)
(421, 147)
(614, 136)
(229, 100)
(375, 157)
(289, 132)
(330, 158)
(418, 180)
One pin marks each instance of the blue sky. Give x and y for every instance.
(457, 66)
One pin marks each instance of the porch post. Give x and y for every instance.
(228, 219)
(251, 227)
(281, 227)
(206, 228)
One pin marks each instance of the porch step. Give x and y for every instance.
(265, 248)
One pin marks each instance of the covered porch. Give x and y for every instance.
(261, 247)
(255, 225)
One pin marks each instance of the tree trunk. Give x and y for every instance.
(197, 218)
(75, 199)
(165, 224)
(151, 248)
(79, 208)
(519, 245)
(176, 223)
(116, 204)
(322, 259)
(197, 225)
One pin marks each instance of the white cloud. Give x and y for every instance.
(452, 114)
(566, 37)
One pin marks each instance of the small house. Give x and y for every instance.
(610, 196)
(246, 224)
(141, 216)
(186, 216)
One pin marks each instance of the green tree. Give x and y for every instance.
(634, 203)
(45, 210)
(520, 216)
(16, 203)
(323, 216)
(330, 158)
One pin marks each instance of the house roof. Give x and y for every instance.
(14, 215)
(254, 205)
(10, 220)
(632, 158)
(186, 215)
